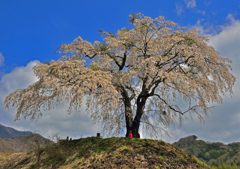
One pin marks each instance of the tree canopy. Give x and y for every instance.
(166, 60)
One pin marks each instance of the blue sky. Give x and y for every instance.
(30, 32)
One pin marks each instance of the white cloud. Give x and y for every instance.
(190, 3)
(179, 9)
(1, 59)
(202, 12)
(206, 28)
(20, 77)
(231, 18)
(226, 41)
(207, 3)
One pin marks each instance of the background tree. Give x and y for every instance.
(165, 59)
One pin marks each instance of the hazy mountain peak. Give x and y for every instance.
(8, 132)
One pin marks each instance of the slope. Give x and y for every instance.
(212, 154)
(115, 152)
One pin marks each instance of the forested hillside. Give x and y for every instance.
(213, 154)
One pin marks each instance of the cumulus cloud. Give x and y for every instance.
(228, 38)
(206, 28)
(228, 113)
(190, 3)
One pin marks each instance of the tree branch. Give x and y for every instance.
(114, 60)
(124, 60)
(182, 113)
(133, 92)
(172, 48)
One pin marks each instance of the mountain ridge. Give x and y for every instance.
(14, 141)
(9, 132)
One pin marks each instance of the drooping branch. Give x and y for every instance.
(179, 91)
(182, 113)
(186, 61)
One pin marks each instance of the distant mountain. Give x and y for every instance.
(211, 153)
(8, 132)
(14, 141)
(22, 144)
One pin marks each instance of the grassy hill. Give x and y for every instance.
(115, 152)
(213, 154)
(11, 148)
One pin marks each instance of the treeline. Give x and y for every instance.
(213, 154)
(206, 151)
(224, 166)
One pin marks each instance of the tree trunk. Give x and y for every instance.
(131, 124)
(135, 129)
(128, 116)
(136, 123)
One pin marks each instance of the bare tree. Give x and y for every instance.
(38, 150)
(165, 59)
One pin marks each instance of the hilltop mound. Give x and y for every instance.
(115, 152)
(185, 142)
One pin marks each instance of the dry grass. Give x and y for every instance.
(115, 152)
